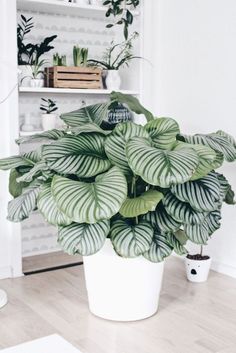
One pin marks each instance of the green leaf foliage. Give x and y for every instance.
(160, 248)
(46, 135)
(227, 192)
(142, 204)
(91, 202)
(84, 239)
(163, 132)
(160, 167)
(131, 240)
(82, 155)
(16, 188)
(176, 244)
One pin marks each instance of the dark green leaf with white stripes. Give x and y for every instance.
(46, 135)
(116, 142)
(218, 142)
(21, 207)
(39, 169)
(182, 211)
(95, 113)
(141, 204)
(159, 249)
(84, 239)
(89, 127)
(175, 244)
(203, 194)
(23, 160)
(160, 167)
(163, 132)
(227, 193)
(91, 202)
(161, 219)
(48, 207)
(15, 188)
(83, 155)
(131, 240)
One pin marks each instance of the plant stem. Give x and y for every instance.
(201, 250)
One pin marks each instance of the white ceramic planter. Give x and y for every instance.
(197, 270)
(113, 80)
(3, 298)
(49, 121)
(122, 289)
(25, 75)
(36, 82)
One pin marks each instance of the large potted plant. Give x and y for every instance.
(123, 199)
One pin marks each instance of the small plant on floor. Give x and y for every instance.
(80, 56)
(147, 188)
(122, 13)
(117, 55)
(59, 60)
(49, 107)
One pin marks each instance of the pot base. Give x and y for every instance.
(122, 289)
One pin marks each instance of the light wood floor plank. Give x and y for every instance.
(196, 318)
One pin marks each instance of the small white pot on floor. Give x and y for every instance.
(197, 270)
(3, 298)
(49, 121)
(122, 289)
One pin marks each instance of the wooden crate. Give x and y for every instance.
(73, 77)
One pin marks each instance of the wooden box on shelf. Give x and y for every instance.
(73, 77)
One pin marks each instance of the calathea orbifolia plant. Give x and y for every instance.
(148, 188)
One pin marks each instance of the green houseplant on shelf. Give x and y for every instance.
(123, 198)
(49, 117)
(114, 58)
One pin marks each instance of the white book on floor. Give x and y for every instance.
(53, 343)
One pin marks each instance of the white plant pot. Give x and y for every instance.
(113, 80)
(49, 121)
(96, 2)
(3, 298)
(122, 289)
(25, 74)
(36, 82)
(197, 270)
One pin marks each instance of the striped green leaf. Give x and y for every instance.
(89, 127)
(95, 113)
(131, 240)
(133, 104)
(84, 239)
(181, 236)
(116, 142)
(219, 142)
(176, 244)
(91, 202)
(203, 194)
(229, 137)
(39, 169)
(161, 219)
(21, 207)
(46, 135)
(227, 193)
(26, 159)
(48, 207)
(159, 249)
(82, 155)
(160, 167)
(200, 233)
(141, 204)
(182, 211)
(163, 132)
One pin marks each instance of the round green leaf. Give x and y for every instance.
(84, 239)
(91, 202)
(131, 241)
(163, 132)
(160, 167)
(161, 219)
(141, 205)
(159, 249)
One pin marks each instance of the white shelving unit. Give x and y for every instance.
(71, 91)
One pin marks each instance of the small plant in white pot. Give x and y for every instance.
(118, 198)
(49, 117)
(198, 266)
(114, 58)
(37, 74)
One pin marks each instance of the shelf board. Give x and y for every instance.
(49, 90)
(61, 7)
(29, 133)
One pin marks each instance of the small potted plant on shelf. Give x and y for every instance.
(123, 199)
(37, 73)
(29, 54)
(114, 58)
(49, 118)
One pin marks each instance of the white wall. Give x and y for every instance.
(10, 259)
(195, 82)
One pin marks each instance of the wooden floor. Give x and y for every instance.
(192, 318)
(53, 259)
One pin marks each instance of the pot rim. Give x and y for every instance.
(200, 261)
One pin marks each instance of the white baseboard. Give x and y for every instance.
(5, 272)
(223, 268)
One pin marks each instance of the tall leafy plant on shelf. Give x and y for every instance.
(148, 188)
(122, 11)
